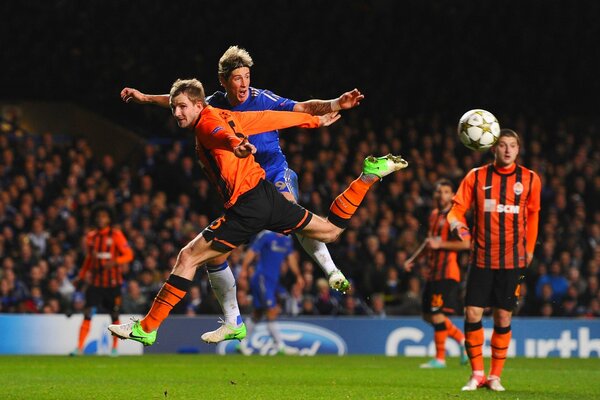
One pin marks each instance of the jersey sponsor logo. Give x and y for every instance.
(217, 129)
(276, 248)
(103, 255)
(299, 338)
(518, 188)
(489, 205)
(507, 209)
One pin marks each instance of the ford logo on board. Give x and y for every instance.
(299, 339)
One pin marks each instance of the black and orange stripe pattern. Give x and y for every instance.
(443, 264)
(500, 216)
(107, 251)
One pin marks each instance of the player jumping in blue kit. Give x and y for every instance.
(268, 250)
(234, 76)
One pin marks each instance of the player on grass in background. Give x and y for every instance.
(251, 203)
(268, 250)
(234, 75)
(107, 251)
(505, 201)
(440, 295)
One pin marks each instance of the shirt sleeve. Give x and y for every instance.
(125, 252)
(461, 202)
(255, 122)
(87, 262)
(219, 132)
(533, 213)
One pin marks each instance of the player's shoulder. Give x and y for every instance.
(218, 99)
(528, 170)
(269, 100)
(91, 233)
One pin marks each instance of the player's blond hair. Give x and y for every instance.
(233, 58)
(190, 87)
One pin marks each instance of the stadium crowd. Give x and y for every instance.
(47, 190)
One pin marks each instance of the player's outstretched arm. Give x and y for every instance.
(346, 101)
(131, 94)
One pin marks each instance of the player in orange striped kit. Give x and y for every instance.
(505, 200)
(440, 295)
(107, 251)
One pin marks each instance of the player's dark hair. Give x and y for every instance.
(103, 207)
(234, 58)
(510, 133)
(445, 182)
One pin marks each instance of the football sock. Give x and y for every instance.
(500, 342)
(454, 332)
(474, 344)
(171, 293)
(319, 252)
(222, 282)
(439, 337)
(346, 204)
(115, 338)
(274, 332)
(84, 329)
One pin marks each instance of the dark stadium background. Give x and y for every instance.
(410, 58)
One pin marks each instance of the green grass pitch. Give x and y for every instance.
(282, 377)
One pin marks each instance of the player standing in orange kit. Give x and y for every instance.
(440, 295)
(107, 251)
(505, 200)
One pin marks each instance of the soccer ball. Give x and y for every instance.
(478, 129)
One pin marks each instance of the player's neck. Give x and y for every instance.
(233, 100)
(505, 168)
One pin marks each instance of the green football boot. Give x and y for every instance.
(133, 331)
(225, 332)
(383, 166)
(338, 281)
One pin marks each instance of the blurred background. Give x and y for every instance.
(68, 141)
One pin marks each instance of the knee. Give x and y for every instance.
(332, 234)
(473, 315)
(185, 258)
(502, 318)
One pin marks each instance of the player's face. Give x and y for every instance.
(237, 86)
(102, 219)
(442, 196)
(506, 151)
(185, 111)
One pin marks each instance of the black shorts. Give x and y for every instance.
(104, 299)
(440, 297)
(493, 287)
(262, 207)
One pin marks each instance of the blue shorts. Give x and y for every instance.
(264, 292)
(285, 180)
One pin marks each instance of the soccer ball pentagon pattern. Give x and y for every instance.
(478, 129)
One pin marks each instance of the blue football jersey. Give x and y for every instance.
(268, 152)
(272, 248)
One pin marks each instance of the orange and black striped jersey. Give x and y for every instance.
(443, 264)
(218, 131)
(107, 251)
(503, 201)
